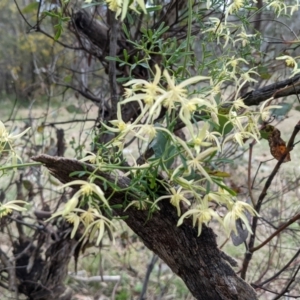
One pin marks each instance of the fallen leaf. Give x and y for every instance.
(277, 145)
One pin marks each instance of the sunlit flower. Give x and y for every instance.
(88, 216)
(175, 93)
(294, 8)
(186, 184)
(252, 125)
(87, 189)
(146, 132)
(150, 90)
(9, 138)
(98, 227)
(234, 63)
(69, 207)
(278, 6)
(290, 62)
(234, 7)
(247, 76)
(8, 207)
(140, 204)
(122, 127)
(198, 140)
(221, 197)
(244, 37)
(73, 219)
(187, 108)
(236, 210)
(175, 196)
(115, 5)
(220, 30)
(212, 136)
(265, 109)
(201, 214)
(194, 163)
(239, 104)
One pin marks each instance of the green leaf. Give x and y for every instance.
(28, 185)
(170, 156)
(114, 59)
(123, 79)
(125, 30)
(32, 7)
(59, 30)
(154, 8)
(86, 5)
(74, 109)
(217, 173)
(51, 14)
(283, 110)
(160, 143)
(265, 132)
(226, 188)
(263, 72)
(225, 126)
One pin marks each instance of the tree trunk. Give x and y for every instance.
(197, 260)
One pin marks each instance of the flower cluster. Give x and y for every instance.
(120, 7)
(185, 166)
(190, 158)
(7, 146)
(8, 207)
(290, 62)
(92, 219)
(7, 142)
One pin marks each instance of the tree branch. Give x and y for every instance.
(279, 89)
(197, 260)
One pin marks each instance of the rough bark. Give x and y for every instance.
(278, 89)
(197, 260)
(41, 277)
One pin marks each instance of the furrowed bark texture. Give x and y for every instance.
(197, 260)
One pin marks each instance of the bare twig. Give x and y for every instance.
(151, 265)
(248, 255)
(112, 71)
(281, 228)
(286, 289)
(259, 285)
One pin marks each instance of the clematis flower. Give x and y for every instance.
(244, 37)
(201, 214)
(194, 163)
(8, 207)
(291, 63)
(175, 93)
(98, 227)
(237, 211)
(115, 5)
(198, 140)
(265, 109)
(149, 88)
(278, 7)
(234, 7)
(69, 207)
(9, 138)
(87, 189)
(175, 196)
(73, 219)
(120, 126)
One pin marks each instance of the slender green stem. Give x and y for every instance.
(189, 32)
(20, 166)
